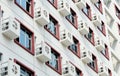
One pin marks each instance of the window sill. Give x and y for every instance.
(58, 71)
(89, 17)
(92, 42)
(75, 25)
(107, 57)
(102, 32)
(31, 15)
(77, 54)
(29, 51)
(94, 69)
(100, 10)
(57, 37)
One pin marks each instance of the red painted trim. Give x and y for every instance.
(59, 61)
(24, 66)
(32, 33)
(55, 4)
(119, 29)
(89, 12)
(32, 8)
(106, 52)
(96, 68)
(78, 47)
(110, 73)
(103, 31)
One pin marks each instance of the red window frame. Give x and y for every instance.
(32, 39)
(95, 64)
(103, 29)
(56, 26)
(77, 53)
(109, 72)
(99, 7)
(92, 38)
(59, 70)
(119, 28)
(73, 13)
(106, 54)
(77, 69)
(89, 15)
(55, 4)
(117, 11)
(31, 10)
(25, 67)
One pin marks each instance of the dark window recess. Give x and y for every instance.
(54, 2)
(99, 6)
(105, 52)
(87, 11)
(75, 47)
(72, 18)
(53, 27)
(117, 12)
(93, 64)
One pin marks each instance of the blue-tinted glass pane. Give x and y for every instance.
(71, 18)
(22, 38)
(85, 11)
(18, 1)
(73, 47)
(52, 1)
(23, 4)
(51, 27)
(90, 36)
(53, 61)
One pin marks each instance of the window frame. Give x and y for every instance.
(78, 48)
(106, 52)
(32, 51)
(31, 10)
(116, 11)
(96, 64)
(75, 24)
(100, 6)
(24, 66)
(109, 71)
(57, 36)
(89, 15)
(92, 41)
(59, 71)
(55, 4)
(103, 31)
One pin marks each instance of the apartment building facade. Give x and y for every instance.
(59, 37)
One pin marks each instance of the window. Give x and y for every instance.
(75, 48)
(87, 11)
(119, 28)
(1, 56)
(53, 2)
(99, 6)
(117, 12)
(109, 72)
(102, 28)
(24, 70)
(90, 36)
(26, 5)
(26, 39)
(55, 62)
(93, 63)
(72, 18)
(105, 52)
(53, 27)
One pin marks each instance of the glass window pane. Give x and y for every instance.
(85, 11)
(51, 27)
(23, 4)
(18, 1)
(22, 38)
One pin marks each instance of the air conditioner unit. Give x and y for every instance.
(103, 71)
(66, 37)
(68, 69)
(9, 69)
(99, 44)
(83, 28)
(41, 16)
(86, 56)
(96, 20)
(43, 52)
(80, 3)
(94, 1)
(63, 7)
(10, 28)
